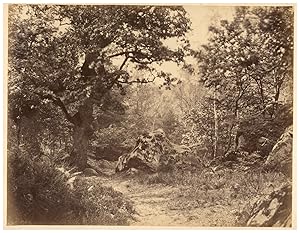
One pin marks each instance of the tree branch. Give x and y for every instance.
(142, 62)
(139, 81)
(120, 54)
(58, 102)
(124, 62)
(135, 59)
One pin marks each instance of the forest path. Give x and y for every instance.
(159, 205)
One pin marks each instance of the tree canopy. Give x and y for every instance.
(72, 56)
(246, 64)
(68, 53)
(249, 58)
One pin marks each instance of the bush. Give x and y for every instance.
(38, 194)
(102, 205)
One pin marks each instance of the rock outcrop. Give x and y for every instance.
(241, 160)
(280, 157)
(90, 172)
(110, 152)
(150, 152)
(273, 210)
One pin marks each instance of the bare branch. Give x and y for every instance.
(124, 62)
(139, 81)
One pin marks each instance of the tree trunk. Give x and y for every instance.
(82, 132)
(216, 133)
(236, 125)
(276, 98)
(262, 97)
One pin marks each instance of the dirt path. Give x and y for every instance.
(156, 206)
(150, 202)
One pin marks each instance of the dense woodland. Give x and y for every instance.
(85, 82)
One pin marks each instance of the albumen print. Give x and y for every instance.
(149, 115)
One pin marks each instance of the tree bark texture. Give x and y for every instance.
(82, 132)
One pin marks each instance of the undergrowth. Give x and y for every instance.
(234, 190)
(38, 194)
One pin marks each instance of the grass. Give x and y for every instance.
(235, 190)
(102, 205)
(38, 194)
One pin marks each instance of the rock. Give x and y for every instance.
(273, 210)
(102, 167)
(253, 160)
(90, 172)
(241, 160)
(264, 146)
(110, 152)
(145, 155)
(231, 156)
(151, 151)
(241, 143)
(280, 157)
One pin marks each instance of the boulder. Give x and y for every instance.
(280, 157)
(273, 210)
(264, 146)
(150, 152)
(110, 152)
(241, 143)
(242, 160)
(90, 172)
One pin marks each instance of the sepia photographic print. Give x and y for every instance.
(164, 115)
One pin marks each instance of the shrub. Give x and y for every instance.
(38, 194)
(102, 205)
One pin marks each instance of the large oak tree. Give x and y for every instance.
(72, 57)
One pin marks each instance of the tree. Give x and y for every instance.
(247, 62)
(71, 57)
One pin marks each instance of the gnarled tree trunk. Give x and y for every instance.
(82, 132)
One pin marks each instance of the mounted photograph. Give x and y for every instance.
(149, 116)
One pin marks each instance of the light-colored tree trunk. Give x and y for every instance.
(216, 133)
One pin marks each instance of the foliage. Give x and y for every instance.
(147, 108)
(72, 57)
(102, 205)
(200, 123)
(38, 193)
(245, 66)
(46, 47)
(40, 132)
